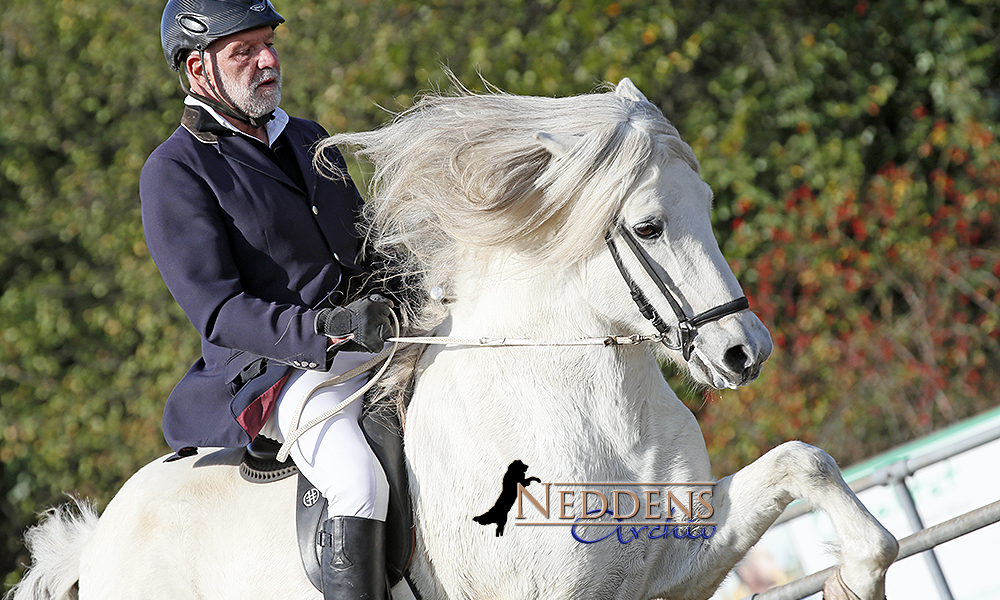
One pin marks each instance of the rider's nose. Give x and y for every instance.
(268, 58)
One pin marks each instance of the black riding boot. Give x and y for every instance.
(353, 559)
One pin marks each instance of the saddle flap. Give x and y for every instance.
(384, 437)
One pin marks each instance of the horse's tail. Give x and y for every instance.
(56, 544)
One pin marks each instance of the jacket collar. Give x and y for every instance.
(241, 148)
(201, 125)
(274, 127)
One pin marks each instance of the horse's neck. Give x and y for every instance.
(615, 397)
(512, 297)
(515, 301)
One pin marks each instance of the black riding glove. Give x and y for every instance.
(368, 320)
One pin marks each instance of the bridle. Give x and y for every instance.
(687, 326)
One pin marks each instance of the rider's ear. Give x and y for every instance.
(556, 143)
(195, 67)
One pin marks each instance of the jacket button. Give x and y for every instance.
(315, 210)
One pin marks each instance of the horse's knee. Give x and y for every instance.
(807, 462)
(867, 548)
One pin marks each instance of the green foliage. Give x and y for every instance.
(90, 340)
(850, 145)
(856, 172)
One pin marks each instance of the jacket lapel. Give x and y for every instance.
(241, 150)
(303, 156)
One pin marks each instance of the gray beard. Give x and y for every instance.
(252, 101)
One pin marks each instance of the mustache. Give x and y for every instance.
(265, 74)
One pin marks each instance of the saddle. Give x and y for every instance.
(259, 465)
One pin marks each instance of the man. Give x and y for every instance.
(258, 248)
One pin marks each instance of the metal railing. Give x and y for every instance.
(924, 540)
(918, 542)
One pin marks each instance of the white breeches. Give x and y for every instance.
(334, 456)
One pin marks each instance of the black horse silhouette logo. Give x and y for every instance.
(508, 494)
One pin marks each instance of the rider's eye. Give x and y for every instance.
(648, 229)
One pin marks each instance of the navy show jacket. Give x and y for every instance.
(249, 256)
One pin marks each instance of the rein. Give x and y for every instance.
(384, 357)
(501, 342)
(687, 327)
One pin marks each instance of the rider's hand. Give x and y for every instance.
(366, 322)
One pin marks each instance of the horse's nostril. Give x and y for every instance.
(737, 359)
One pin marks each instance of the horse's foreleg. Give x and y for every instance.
(748, 502)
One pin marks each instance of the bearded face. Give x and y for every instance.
(245, 70)
(259, 96)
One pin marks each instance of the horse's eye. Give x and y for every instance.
(648, 229)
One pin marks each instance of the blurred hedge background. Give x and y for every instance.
(851, 146)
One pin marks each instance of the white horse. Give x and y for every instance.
(507, 211)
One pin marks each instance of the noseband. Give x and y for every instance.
(687, 326)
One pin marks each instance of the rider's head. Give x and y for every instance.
(225, 47)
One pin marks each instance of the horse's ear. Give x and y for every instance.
(557, 144)
(627, 89)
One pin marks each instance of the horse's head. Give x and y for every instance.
(461, 180)
(662, 269)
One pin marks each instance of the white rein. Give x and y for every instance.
(499, 342)
(385, 357)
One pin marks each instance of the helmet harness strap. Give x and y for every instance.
(222, 103)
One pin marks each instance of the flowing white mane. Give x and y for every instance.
(458, 177)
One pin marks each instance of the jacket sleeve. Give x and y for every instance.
(186, 234)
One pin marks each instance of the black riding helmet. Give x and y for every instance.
(194, 24)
